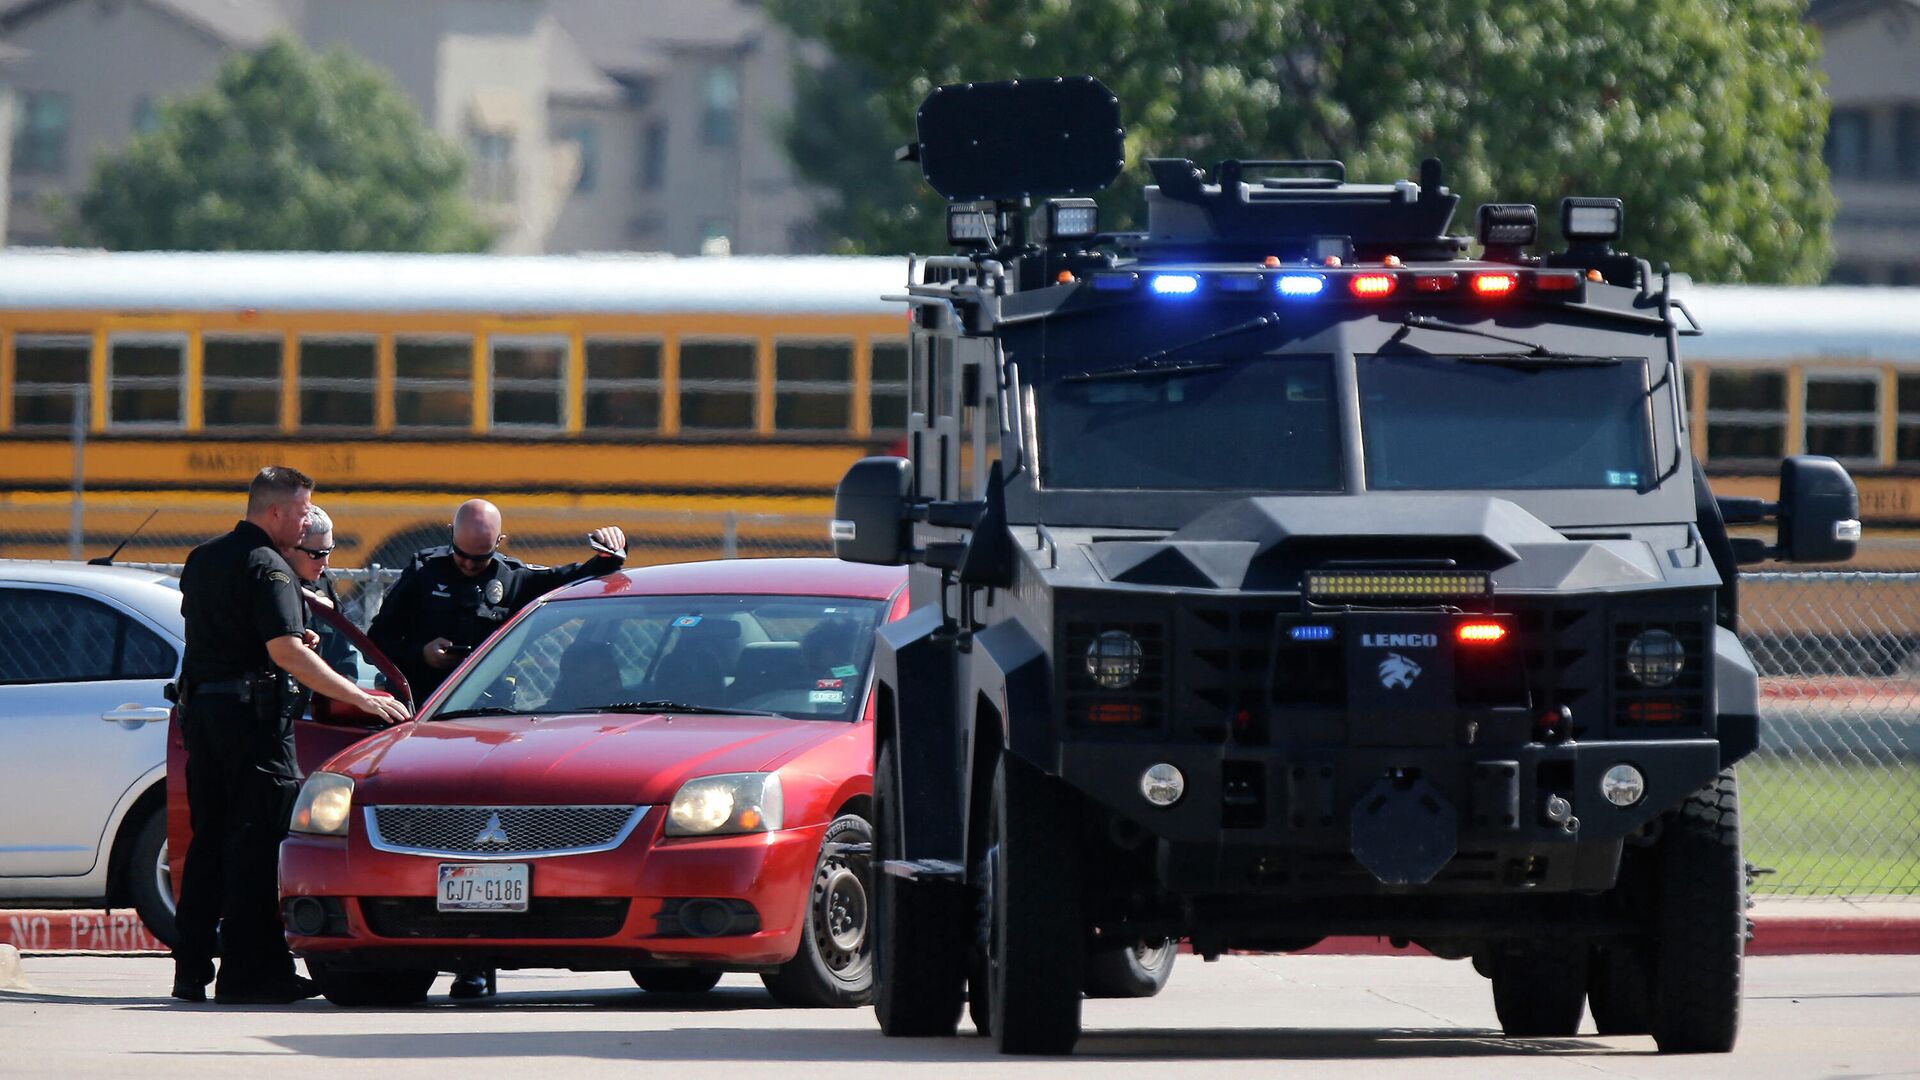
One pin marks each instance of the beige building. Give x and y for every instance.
(591, 124)
(1872, 62)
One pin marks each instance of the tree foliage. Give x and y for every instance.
(286, 151)
(1706, 118)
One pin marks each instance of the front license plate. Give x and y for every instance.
(484, 886)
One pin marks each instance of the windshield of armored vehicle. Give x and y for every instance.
(1260, 423)
(1488, 422)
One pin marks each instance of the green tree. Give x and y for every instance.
(286, 151)
(1706, 118)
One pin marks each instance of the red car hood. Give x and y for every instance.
(592, 758)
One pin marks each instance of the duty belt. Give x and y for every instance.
(236, 687)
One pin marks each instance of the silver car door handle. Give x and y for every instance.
(133, 714)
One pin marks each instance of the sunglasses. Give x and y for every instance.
(314, 553)
(482, 557)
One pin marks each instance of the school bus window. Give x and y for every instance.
(1746, 414)
(529, 377)
(432, 382)
(716, 385)
(622, 385)
(240, 381)
(1843, 415)
(145, 376)
(1906, 441)
(48, 371)
(813, 385)
(887, 391)
(337, 382)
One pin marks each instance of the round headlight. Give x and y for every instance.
(1113, 659)
(1162, 784)
(1655, 658)
(1623, 785)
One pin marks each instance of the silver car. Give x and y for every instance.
(84, 653)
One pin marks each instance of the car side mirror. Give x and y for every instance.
(1819, 516)
(870, 511)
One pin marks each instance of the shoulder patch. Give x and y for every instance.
(280, 576)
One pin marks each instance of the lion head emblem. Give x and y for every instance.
(1397, 672)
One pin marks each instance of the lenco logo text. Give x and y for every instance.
(1399, 641)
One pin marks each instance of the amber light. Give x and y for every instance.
(1480, 633)
(1655, 712)
(1371, 285)
(1114, 712)
(1493, 284)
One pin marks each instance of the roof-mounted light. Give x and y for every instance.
(1507, 225)
(1237, 283)
(1590, 219)
(1300, 286)
(1371, 286)
(1119, 282)
(1493, 285)
(1174, 284)
(969, 226)
(1072, 219)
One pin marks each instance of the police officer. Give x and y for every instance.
(452, 597)
(248, 652)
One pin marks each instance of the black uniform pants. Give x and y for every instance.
(241, 784)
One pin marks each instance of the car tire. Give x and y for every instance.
(150, 878)
(1138, 970)
(1540, 989)
(675, 980)
(1619, 990)
(1700, 924)
(920, 932)
(365, 989)
(833, 968)
(1035, 948)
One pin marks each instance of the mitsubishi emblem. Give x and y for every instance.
(492, 833)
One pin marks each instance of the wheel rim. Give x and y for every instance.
(841, 917)
(163, 879)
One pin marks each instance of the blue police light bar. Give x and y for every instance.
(1241, 283)
(1173, 284)
(1113, 282)
(1300, 285)
(1311, 632)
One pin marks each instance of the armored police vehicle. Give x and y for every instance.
(1295, 568)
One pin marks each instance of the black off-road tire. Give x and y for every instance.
(1138, 970)
(1620, 990)
(834, 967)
(149, 880)
(1540, 989)
(368, 989)
(920, 930)
(1035, 947)
(675, 980)
(1700, 924)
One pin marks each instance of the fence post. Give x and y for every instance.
(730, 536)
(77, 524)
(372, 593)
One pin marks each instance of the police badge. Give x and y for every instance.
(495, 591)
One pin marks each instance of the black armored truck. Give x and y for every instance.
(1297, 568)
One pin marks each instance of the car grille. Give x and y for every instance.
(545, 917)
(500, 831)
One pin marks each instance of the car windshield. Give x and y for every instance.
(1244, 423)
(798, 656)
(1508, 421)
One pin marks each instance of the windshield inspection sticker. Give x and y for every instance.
(1617, 478)
(827, 684)
(687, 620)
(825, 697)
(846, 671)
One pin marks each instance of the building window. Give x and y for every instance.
(240, 381)
(1907, 142)
(40, 132)
(717, 385)
(1906, 440)
(720, 105)
(49, 372)
(622, 386)
(887, 389)
(337, 377)
(1849, 143)
(493, 179)
(586, 138)
(1746, 415)
(529, 382)
(146, 376)
(813, 385)
(433, 382)
(653, 157)
(1843, 415)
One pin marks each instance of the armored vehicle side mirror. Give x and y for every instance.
(1819, 511)
(870, 511)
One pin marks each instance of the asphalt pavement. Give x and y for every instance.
(1324, 1016)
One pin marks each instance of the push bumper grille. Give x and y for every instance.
(500, 832)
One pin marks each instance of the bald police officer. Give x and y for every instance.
(246, 635)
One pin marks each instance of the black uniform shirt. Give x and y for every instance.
(433, 599)
(237, 594)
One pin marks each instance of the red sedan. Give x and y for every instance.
(666, 770)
